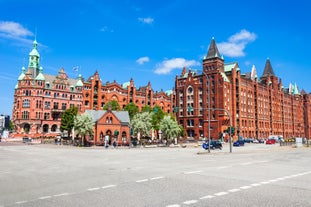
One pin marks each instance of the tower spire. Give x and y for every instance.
(268, 69)
(212, 50)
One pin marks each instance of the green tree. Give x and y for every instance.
(146, 108)
(132, 109)
(141, 123)
(83, 125)
(170, 128)
(11, 127)
(157, 117)
(113, 104)
(67, 119)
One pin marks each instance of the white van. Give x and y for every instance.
(277, 138)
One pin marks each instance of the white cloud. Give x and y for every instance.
(146, 20)
(106, 29)
(167, 66)
(236, 44)
(14, 31)
(142, 60)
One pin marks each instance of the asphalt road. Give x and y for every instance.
(253, 175)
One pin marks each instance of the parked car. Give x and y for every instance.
(249, 140)
(238, 143)
(270, 141)
(215, 144)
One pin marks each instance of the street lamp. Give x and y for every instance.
(209, 111)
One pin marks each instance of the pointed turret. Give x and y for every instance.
(268, 69)
(254, 73)
(34, 56)
(40, 76)
(212, 50)
(22, 75)
(79, 82)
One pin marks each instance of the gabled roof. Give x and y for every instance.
(123, 116)
(268, 69)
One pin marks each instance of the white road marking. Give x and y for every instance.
(264, 182)
(223, 167)
(256, 184)
(246, 187)
(207, 197)
(221, 193)
(174, 205)
(190, 202)
(157, 178)
(234, 190)
(108, 186)
(44, 197)
(193, 172)
(21, 202)
(273, 180)
(140, 181)
(62, 194)
(247, 163)
(93, 189)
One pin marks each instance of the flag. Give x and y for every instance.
(76, 68)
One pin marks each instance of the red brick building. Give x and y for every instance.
(111, 126)
(96, 94)
(258, 107)
(40, 99)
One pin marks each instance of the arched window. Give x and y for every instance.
(110, 120)
(45, 128)
(54, 128)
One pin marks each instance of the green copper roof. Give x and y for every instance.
(226, 79)
(34, 51)
(79, 82)
(125, 85)
(228, 67)
(169, 92)
(22, 75)
(40, 75)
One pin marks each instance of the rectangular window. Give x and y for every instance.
(55, 105)
(47, 105)
(64, 106)
(26, 103)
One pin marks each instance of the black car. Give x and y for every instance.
(215, 144)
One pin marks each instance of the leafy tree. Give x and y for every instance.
(157, 117)
(146, 108)
(84, 124)
(141, 123)
(113, 104)
(169, 128)
(132, 109)
(67, 119)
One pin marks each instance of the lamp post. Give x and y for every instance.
(209, 111)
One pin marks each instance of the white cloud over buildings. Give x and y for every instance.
(166, 66)
(142, 60)
(236, 44)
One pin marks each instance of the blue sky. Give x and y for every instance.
(152, 40)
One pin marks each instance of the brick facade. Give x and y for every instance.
(257, 107)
